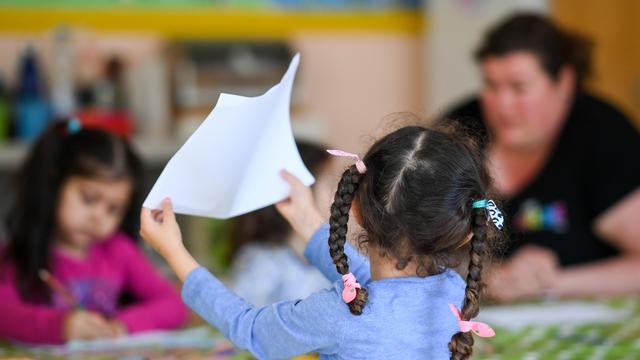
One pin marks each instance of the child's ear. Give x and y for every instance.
(355, 209)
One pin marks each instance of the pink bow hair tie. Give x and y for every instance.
(359, 163)
(478, 328)
(350, 286)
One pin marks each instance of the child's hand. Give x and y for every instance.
(85, 325)
(118, 328)
(299, 208)
(161, 231)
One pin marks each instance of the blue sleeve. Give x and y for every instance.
(277, 331)
(317, 252)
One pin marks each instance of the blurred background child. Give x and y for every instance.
(71, 258)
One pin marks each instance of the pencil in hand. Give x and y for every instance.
(58, 288)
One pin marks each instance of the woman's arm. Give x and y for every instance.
(533, 272)
(620, 226)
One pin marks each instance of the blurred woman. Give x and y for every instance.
(566, 160)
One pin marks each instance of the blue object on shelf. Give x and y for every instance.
(32, 111)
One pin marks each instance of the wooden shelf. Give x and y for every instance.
(210, 22)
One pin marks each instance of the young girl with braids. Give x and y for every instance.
(422, 198)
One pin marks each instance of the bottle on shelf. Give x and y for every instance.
(32, 110)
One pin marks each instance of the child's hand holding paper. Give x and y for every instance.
(299, 208)
(160, 229)
(230, 165)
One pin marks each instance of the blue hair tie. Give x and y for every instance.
(493, 211)
(73, 126)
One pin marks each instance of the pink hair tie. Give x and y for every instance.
(350, 286)
(359, 163)
(479, 328)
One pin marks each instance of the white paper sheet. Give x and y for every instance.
(566, 313)
(231, 164)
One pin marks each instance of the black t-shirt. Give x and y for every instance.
(594, 164)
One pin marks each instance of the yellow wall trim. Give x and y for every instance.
(210, 23)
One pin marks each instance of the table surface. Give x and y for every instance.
(615, 338)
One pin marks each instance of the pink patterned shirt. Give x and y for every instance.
(111, 267)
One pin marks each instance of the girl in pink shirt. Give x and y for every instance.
(71, 269)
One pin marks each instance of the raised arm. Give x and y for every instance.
(300, 210)
(615, 276)
(280, 330)
(277, 331)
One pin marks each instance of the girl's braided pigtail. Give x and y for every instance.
(338, 231)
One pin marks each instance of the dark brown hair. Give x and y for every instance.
(415, 205)
(553, 46)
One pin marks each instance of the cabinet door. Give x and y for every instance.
(614, 26)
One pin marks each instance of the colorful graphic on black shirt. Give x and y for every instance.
(534, 216)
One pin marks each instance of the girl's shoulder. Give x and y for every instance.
(326, 306)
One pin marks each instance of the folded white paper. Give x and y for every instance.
(231, 164)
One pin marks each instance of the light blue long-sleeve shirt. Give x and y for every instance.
(404, 318)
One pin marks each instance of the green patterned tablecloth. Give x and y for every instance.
(590, 340)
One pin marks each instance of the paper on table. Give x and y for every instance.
(566, 313)
(231, 164)
(195, 338)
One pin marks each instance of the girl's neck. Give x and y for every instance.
(383, 267)
(513, 170)
(67, 248)
(73, 252)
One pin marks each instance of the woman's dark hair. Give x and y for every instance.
(415, 205)
(553, 46)
(57, 155)
(267, 225)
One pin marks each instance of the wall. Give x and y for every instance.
(352, 81)
(614, 27)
